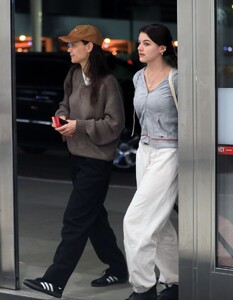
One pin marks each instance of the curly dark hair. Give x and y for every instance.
(161, 35)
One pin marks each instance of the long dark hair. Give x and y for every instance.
(96, 70)
(161, 35)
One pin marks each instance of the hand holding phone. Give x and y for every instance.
(58, 122)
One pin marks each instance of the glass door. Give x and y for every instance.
(224, 95)
(205, 36)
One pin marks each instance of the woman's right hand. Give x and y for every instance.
(68, 129)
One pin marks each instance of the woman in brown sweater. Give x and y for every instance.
(93, 109)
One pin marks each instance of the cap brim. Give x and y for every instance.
(67, 39)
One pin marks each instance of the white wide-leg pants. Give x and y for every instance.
(149, 236)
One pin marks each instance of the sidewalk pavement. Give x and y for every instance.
(41, 207)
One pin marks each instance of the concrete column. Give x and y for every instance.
(36, 23)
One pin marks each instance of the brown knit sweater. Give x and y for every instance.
(99, 125)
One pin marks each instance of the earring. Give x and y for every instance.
(163, 51)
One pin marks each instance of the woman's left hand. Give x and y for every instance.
(68, 129)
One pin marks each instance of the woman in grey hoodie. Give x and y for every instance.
(149, 237)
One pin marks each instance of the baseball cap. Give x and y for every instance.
(87, 33)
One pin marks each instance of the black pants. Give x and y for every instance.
(85, 217)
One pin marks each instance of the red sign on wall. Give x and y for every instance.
(225, 150)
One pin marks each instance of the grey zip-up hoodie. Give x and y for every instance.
(156, 111)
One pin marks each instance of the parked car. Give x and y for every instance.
(39, 89)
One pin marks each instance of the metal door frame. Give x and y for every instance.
(9, 262)
(199, 276)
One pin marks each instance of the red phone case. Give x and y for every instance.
(56, 120)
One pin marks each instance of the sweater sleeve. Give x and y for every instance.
(64, 109)
(109, 127)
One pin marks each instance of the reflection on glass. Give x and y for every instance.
(224, 61)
